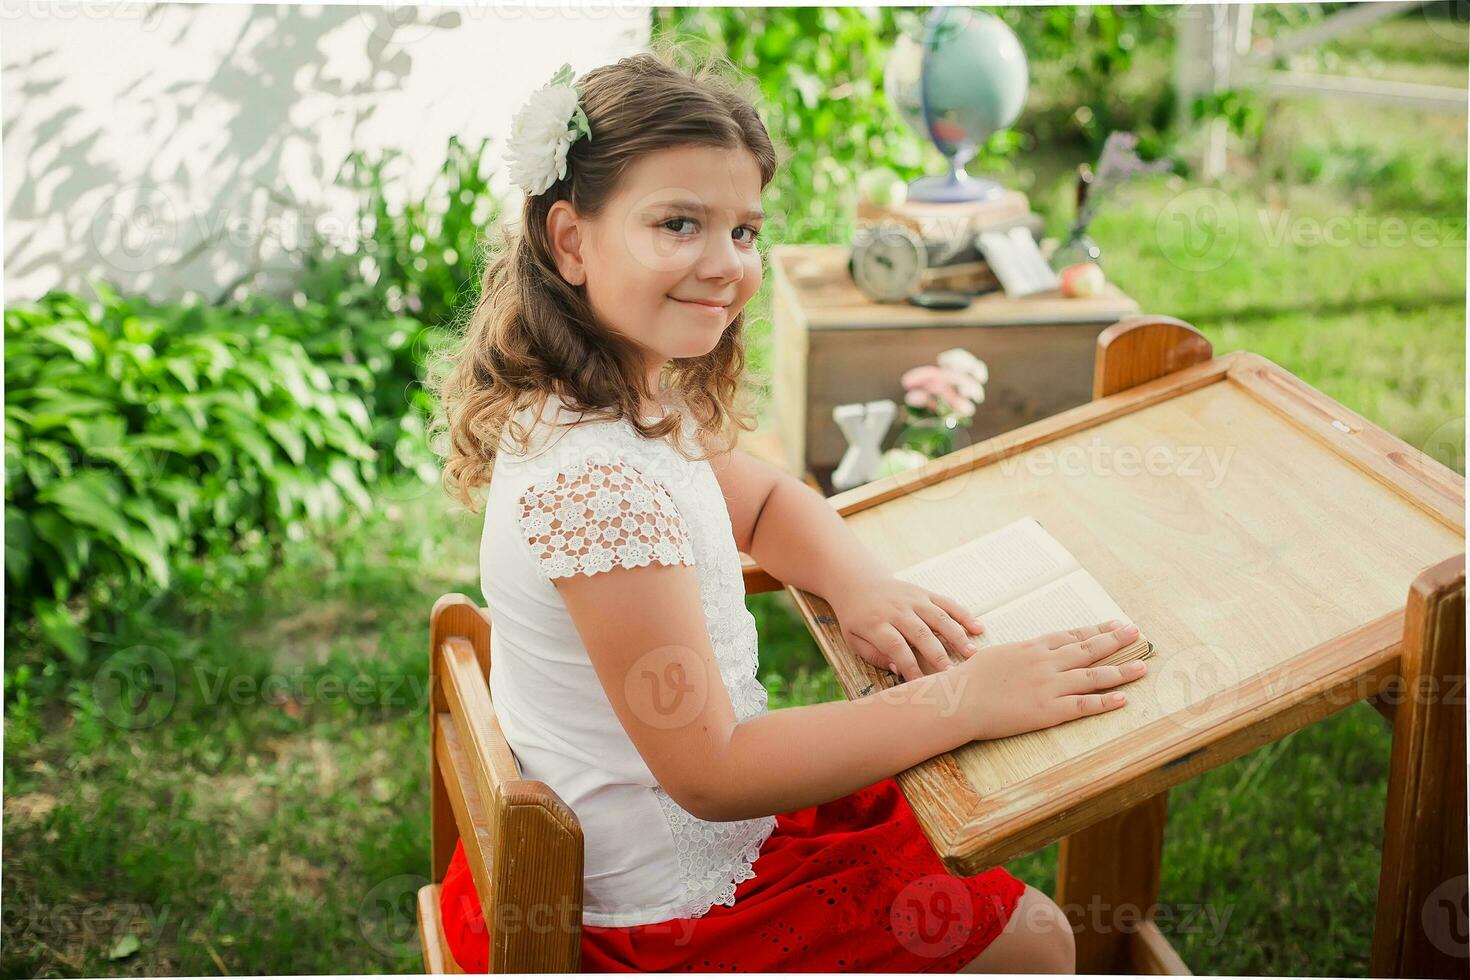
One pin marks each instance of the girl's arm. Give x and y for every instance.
(788, 528)
(645, 632)
(794, 533)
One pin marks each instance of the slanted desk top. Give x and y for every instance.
(1262, 535)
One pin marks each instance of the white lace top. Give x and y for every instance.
(582, 500)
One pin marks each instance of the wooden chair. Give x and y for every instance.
(524, 844)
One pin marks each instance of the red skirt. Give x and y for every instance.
(846, 886)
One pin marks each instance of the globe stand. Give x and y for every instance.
(956, 188)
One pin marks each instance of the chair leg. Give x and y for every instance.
(1420, 929)
(435, 945)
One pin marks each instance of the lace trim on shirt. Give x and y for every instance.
(597, 515)
(713, 857)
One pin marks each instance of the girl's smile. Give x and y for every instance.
(701, 306)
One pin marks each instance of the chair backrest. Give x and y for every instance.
(522, 842)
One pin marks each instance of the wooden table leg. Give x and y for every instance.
(1421, 925)
(1108, 875)
(1108, 884)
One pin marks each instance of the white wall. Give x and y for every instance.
(169, 147)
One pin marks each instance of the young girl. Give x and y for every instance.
(604, 355)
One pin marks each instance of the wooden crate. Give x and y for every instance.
(832, 345)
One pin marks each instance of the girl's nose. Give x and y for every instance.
(721, 260)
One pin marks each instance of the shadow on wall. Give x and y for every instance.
(177, 147)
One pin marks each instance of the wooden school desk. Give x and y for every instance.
(1287, 557)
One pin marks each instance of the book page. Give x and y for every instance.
(994, 568)
(1075, 599)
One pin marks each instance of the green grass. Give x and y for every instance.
(249, 831)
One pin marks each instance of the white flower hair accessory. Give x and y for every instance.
(542, 132)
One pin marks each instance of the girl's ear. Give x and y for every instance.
(564, 231)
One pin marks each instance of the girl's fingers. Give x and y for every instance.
(1094, 648)
(1061, 638)
(866, 650)
(1081, 705)
(960, 614)
(1084, 680)
(890, 641)
(925, 642)
(953, 633)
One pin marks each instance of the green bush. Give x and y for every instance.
(383, 300)
(136, 433)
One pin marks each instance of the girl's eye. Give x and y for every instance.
(754, 232)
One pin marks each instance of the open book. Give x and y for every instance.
(1020, 582)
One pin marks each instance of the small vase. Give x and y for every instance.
(932, 435)
(1079, 247)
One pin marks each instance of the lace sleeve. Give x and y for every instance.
(599, 515)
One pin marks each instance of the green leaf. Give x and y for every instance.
(17, 545)
(289, 438)
(124, 947)
(344, 475)
(91, 498)
(60, 630)
(72, 337)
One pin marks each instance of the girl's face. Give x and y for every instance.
(672, 259)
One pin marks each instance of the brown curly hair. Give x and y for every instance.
(532, 334)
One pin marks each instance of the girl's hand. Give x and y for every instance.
(898, 626)
(1022, 687)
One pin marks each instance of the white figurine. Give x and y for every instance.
(863, 424)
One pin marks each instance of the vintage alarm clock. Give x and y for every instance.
(888, 262)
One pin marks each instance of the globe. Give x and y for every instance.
(963, 79)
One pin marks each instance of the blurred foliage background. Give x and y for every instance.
(224, 531)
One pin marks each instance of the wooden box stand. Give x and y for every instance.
(832, 345)
(1318, 561)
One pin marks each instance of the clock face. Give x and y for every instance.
(888, 264)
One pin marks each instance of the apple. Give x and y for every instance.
(1082, 279)
(883, 187)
